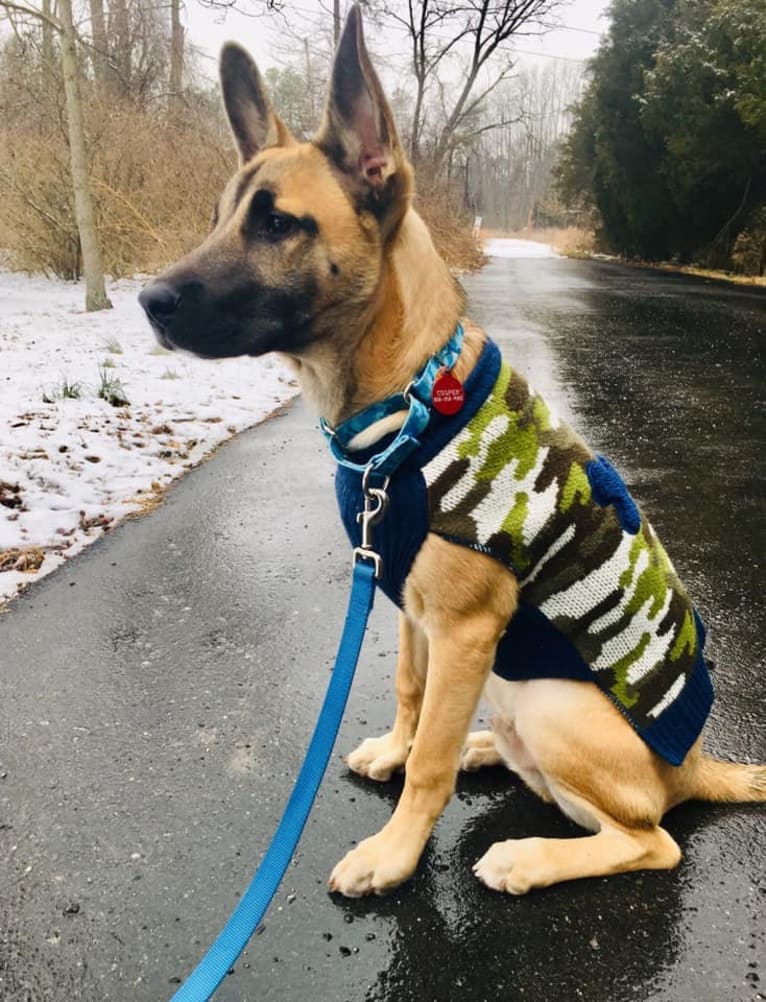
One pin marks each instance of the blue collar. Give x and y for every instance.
(416, 399)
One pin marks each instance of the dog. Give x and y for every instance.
(317, 254)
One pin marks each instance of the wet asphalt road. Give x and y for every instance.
(158, 692)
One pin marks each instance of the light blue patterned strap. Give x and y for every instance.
(416, 400)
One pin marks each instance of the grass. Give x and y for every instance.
(111, 389)
(720, 276)
(170, 374)
(113, 346)
(66, 390)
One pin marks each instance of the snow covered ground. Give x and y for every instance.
(507, 247)
(72, 464)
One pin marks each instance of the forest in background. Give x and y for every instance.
(667, 153)
(114, 148)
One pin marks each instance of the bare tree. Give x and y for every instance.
(176, 56)
(422, 22)
(100, 45)
(95, 289)
(466, 40)
(47, 30)
(511, 173)
(476, 30)
(120, 49)
(92, 266)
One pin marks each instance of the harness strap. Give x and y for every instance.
(217, 962)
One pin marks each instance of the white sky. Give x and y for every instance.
(583, 21)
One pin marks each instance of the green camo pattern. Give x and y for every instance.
(516, 483)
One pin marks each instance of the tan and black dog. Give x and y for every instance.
(317, 253)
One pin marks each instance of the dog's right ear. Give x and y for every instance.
(253, 121)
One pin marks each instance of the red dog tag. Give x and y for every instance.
(448, 395)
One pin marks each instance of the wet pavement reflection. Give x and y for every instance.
(159, 690)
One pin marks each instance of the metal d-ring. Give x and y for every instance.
(367, 490)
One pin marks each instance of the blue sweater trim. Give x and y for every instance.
(532, 648)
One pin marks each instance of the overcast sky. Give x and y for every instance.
(582, 23)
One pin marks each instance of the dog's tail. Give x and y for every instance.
(729, 782)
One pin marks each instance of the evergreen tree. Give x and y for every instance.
(669, 140)
(706, 97)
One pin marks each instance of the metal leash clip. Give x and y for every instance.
(375, 507)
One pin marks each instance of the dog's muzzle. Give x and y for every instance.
(241, 318)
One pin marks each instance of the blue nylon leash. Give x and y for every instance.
(247, 916)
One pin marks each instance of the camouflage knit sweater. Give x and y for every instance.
(599, 598)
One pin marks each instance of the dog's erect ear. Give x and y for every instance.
(253, 121)
(358, 131)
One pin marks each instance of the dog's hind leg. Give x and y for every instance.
(377, 758)
(602, 776)
(463, 624)
(518, 865)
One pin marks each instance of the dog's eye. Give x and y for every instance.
(279, 225)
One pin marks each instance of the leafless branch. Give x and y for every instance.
(30, 12)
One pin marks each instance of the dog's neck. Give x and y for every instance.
(414, 311)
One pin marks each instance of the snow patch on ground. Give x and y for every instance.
(71, 468)
(507, 247)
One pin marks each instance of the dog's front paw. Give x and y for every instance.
(373, 867)
(511, 866)
(378, 758)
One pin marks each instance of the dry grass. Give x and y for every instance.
(688, 269)
(451, 233)
(154, 182)
(27, 559)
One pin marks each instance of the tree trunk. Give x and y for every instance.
(95, 291)
(309, 82)
(176, 58)
(416, 121)
(119, 33)
(336, 21)
(48, 55)
(100, 48)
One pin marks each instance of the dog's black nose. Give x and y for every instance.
(160, 302)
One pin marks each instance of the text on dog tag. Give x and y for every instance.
(448, 395)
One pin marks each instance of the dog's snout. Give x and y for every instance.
(160, 302)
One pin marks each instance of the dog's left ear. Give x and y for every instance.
(358, 132)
